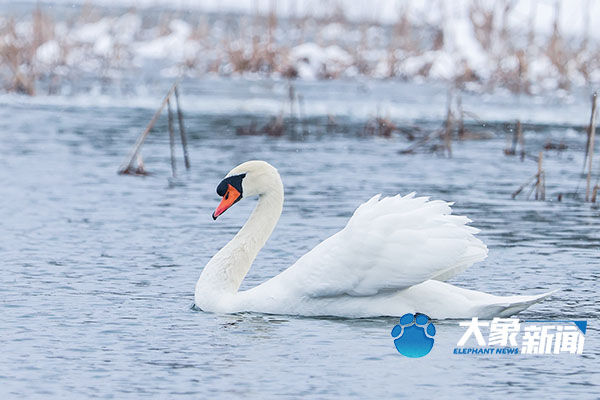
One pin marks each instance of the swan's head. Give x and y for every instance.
(252, 178)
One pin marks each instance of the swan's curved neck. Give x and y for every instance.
(225, 272)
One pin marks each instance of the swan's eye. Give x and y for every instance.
(235, 181)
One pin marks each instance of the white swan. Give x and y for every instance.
(390, 259)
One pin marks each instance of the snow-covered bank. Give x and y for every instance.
(526, 46)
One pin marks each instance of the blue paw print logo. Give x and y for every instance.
(414, 335)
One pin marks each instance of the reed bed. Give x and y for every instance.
(459, 125)
(537, 183)
(42, 51)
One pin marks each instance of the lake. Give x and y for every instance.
(98, 269)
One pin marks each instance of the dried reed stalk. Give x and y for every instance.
(539, 182)
(540, 190)
(590, 146)
(521, 140)
(186, 156)
(127, 166)
(302, 115)
(508, 148)
(448, 127)
(461, 116)
(511, 148)
(523, 186)
(171, 138)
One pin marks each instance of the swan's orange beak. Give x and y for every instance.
(230, 198)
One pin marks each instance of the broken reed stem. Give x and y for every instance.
(171, 138)
(532, 187)
(512, 149)
(539, 186)
(588, 132)
(521, 140)
(186, 156)
(128, 164)
(302, 114)
(590, 148)
(544, 185)
(461, 115)
(520, 189)
(292, 98)
(508, 147)
(448, 135)
(595, 193)
(448, 127)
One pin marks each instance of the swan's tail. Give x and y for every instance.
(441, 300)
(510, 305)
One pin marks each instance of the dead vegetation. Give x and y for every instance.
(537, 183)
(589, 150)
(18, 65)
(44, 48)
(134, 164)
(459, 125)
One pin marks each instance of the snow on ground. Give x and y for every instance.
(524, 45)
(572, 21)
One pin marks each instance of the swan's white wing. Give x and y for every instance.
(389, 244)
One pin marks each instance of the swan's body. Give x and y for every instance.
(389, 260)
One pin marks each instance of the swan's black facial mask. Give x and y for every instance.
(230, 189)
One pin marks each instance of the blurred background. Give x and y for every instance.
(526, 46)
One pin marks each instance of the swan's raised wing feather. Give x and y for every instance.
(389, 244)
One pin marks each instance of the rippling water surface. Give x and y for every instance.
(98, 270)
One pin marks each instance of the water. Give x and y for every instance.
(98, 270)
